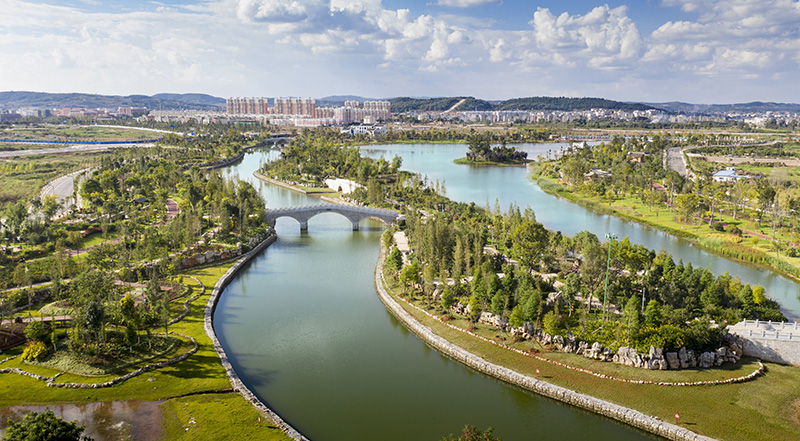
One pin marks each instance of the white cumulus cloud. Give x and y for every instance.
(466, 3)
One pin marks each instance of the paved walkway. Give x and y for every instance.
(58, 318)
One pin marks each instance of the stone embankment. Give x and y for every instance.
(236, 382)
(611, 410)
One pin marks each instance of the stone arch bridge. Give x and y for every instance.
(353, 213)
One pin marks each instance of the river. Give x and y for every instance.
(304, 328)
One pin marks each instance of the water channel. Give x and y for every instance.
(306, 332)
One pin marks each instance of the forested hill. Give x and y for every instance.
(165, 101)
(405, 104)
(401, 105)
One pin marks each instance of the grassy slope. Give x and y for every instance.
(763, 409)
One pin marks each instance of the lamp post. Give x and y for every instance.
(609, 237)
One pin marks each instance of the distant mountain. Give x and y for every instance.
(711, 109)
(567, 104)
(403, 104)
(192, 98)
(165, 101)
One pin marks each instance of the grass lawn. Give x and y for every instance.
(22, 178)
(217, 416)
(767, 408)
(98, 238)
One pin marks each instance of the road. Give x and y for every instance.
(676, 161)
(63, 187)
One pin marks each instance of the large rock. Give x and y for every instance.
(200, 258)
(672, 360)
(628, 357)
(706, 359)
(691, 359)
(683, 358)
(595, 352)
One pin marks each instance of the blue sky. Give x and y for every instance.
(702, 51)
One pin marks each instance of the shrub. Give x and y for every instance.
(44, 426)
(35, 331)
(668, 337)
(733, 229)
(717, 226)
(34, 351)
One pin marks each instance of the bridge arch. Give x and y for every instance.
(353, 213)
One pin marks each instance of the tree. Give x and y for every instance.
(686, 205)
(395, 260)
(45, 426)
(631, 314)
(94, 318)
(552, 323)
(766, 195)
(448, 297)
(474, 308)
(653, 314)
(50, 206)
(409, 275)
(428, 284)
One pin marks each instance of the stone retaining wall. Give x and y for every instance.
(208, 319)
(619, 413)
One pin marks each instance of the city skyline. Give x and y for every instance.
(700, 51)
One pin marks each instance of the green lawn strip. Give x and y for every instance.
(698, 232)
(215, 416)
(760, 409)
(97, 239)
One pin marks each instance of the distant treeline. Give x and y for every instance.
(403, 104)
(165, 101)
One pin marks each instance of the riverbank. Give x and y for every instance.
(711, 241)
(618, 401)
(233, 377)
(467, 161)
(310, 191)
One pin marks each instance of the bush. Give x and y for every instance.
(45, 426)
(717, 226)
(668, 337)
(34, 351)
(733, 229)
(35, 331)
(793, 252)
